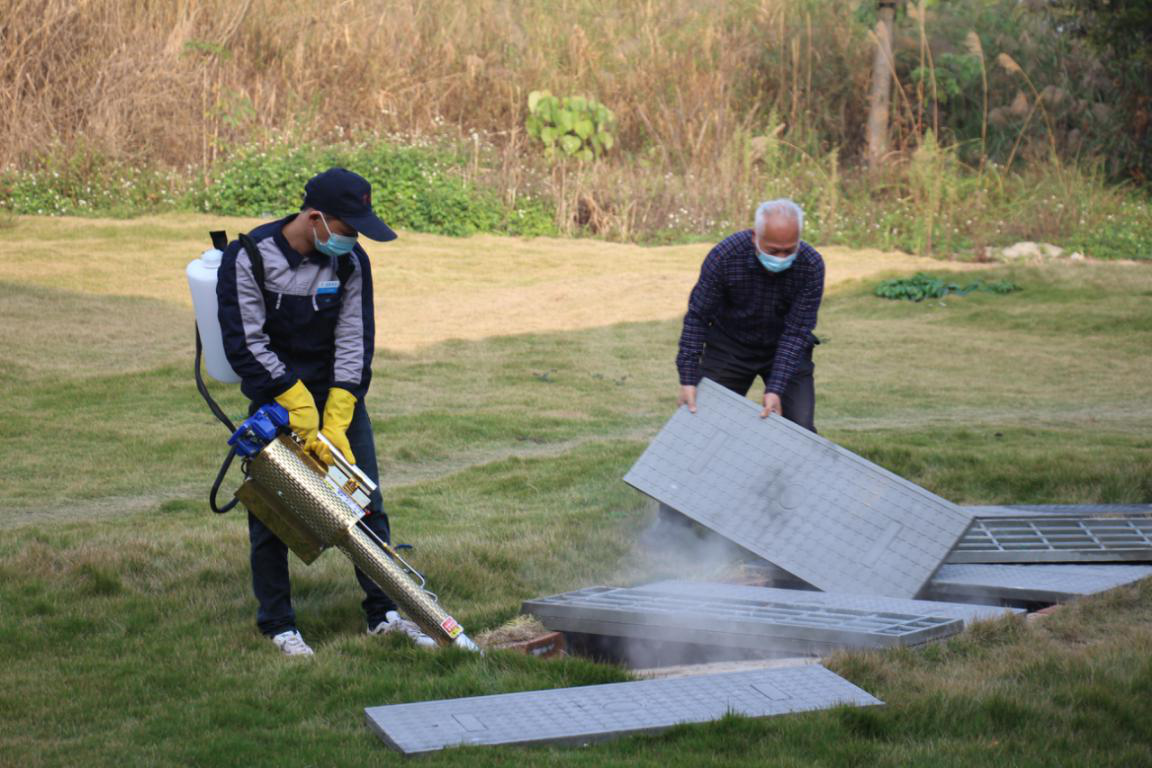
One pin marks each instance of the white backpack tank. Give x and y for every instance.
(202, 273)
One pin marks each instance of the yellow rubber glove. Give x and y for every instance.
(337, 416)
(302, 414)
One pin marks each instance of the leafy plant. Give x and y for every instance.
(955, 74)
(579, 126)
(922, 286)
(413, 188)
(999, 286)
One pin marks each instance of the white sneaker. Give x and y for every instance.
(291, 643)
(396, 623)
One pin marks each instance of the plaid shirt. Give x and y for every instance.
(757, 309)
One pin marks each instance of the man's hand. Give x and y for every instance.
(687, 397)
(303, 417)
(771, 405)
(338, 413)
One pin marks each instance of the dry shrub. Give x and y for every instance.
(720, 103)
(175, 85)
(171, 83)
(518, 629)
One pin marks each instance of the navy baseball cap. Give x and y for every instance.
(348, 197)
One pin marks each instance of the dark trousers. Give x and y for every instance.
(269, 555)
(736, 367)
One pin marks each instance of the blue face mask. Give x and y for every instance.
(775, 263)
(335, 245)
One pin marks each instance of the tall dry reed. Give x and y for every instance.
(172, 82)
(720, 102)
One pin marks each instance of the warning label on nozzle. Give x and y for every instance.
(450, 626)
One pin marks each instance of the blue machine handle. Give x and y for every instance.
(259, 429)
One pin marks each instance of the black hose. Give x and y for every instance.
(219, 413)
(219, 480)
(203, 389)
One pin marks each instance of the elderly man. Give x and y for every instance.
(752, 313)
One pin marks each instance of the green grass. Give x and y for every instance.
(127, 627)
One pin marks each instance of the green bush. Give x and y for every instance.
(932, 204)
(412, 188)
(81, 183)
(1122, 232)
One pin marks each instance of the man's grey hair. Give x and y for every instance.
(779, 207)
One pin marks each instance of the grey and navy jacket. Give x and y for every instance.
(301, 325)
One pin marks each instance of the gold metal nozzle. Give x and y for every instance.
(288, 491)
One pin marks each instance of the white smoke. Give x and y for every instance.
(673, 547)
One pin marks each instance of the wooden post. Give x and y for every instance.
(881, 96)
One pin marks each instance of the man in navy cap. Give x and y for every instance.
(295, 301)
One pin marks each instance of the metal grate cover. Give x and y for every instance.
(1062, 510)
(1034, 583)
(1050, 539)
(783, 624)
(599, 712)
(796, 499)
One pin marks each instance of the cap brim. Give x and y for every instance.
(371, 227)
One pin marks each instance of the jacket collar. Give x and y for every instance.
(290, 254)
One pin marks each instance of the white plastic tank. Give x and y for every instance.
(202, 281)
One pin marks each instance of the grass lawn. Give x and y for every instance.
(127, 627)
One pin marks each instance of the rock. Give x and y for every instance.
(1030, 251)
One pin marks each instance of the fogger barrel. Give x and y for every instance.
(311, 508)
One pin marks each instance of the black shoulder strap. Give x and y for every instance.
(344, 264)
(255, 257)
(345, 268)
